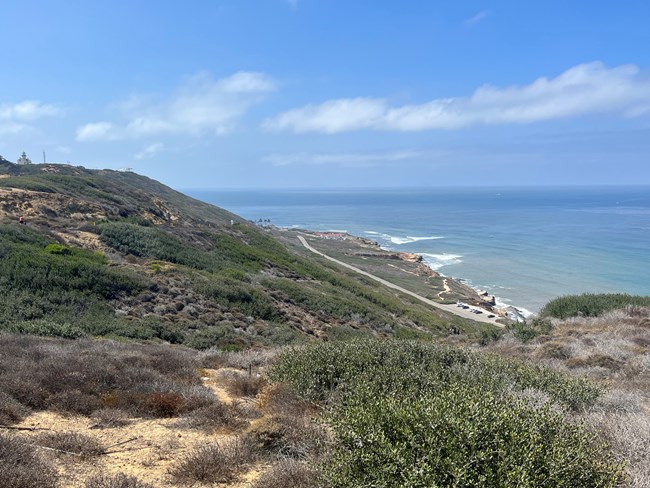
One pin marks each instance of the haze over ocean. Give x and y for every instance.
(524, 245)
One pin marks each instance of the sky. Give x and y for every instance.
(331, 93)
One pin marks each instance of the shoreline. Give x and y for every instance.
(490, 304)
(513, 312)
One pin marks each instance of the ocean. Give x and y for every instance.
(523, 245)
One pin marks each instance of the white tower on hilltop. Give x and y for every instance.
(23, 159)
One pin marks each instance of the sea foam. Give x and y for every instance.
(437, 261)
(409, 239)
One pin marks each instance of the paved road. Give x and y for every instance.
(447, 308)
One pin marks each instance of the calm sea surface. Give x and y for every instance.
(525, 246)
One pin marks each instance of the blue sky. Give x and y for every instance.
(329, 93)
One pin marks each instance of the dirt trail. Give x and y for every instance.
(447, 308)
(158, 445)
(445, 284)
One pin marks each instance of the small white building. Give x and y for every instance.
(23, 159)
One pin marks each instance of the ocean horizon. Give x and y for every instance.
(526, 245)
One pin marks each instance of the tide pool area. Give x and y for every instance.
(523, 245)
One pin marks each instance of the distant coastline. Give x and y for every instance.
(526, 246)
(490, 304)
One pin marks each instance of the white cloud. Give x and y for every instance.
(340, 159)
(582, 90)
(97, 131)
(332, 116)
(475, 19)
(28, 110)
(150, 150)
(200, 105)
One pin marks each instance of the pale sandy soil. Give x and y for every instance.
(153, 447)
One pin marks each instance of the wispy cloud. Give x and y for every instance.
(475, 19)
(28, 110)
(340, 159)
(12, 129)
(98, 131)
(582, 90)
(200, 105)
(16, 118)
(150, 150)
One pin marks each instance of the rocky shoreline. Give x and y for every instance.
(365, 248)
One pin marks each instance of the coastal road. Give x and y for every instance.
(447, 308)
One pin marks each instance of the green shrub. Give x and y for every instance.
(526, 331)
(461, 436)
(58, 249)
(590, 305)
(415, 414)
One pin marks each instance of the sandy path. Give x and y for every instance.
(153, 447)
(447, 308)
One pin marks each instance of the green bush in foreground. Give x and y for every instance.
(590, 305)
(411, 414)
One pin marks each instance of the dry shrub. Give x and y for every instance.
(119, 480)
(555, 350)
(213, 463)
(288, 473)
(641, 341)
(83, 375)
(110, 417)
(72, 442)
(157, 404)
(242, 385)
(256, 358)
(21, 466)
(629, 436)
(73, 401)
(217, 415)
(24, 389)
(619, 401)
(289, 437)
(595, 361)
(164, 404)
(11, 410)
(277, 399)
(129, 401)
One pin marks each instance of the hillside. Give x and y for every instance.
(110, 253)
(201, 396)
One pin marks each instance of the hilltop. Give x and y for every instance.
(151, 263)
